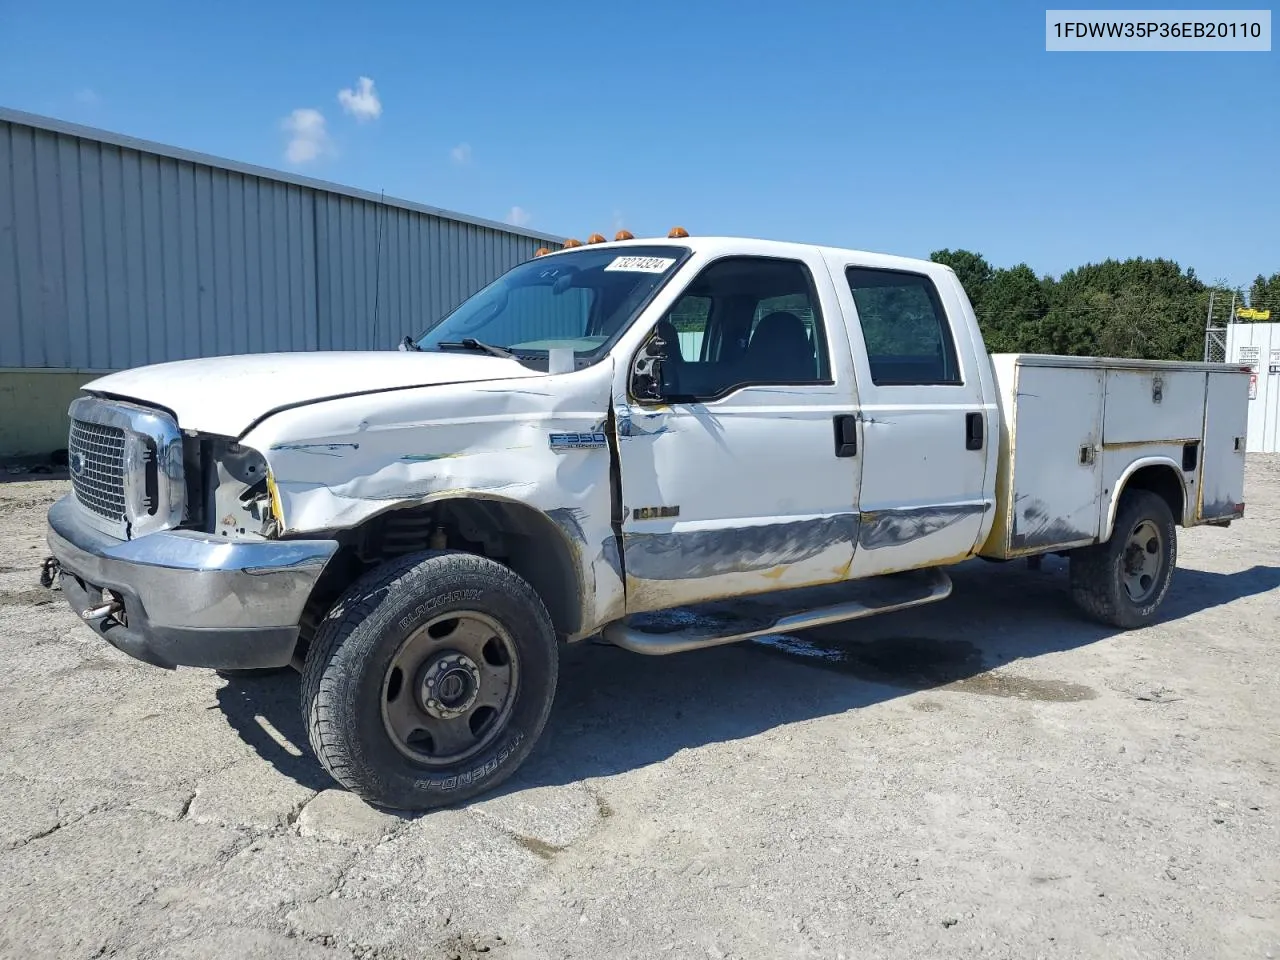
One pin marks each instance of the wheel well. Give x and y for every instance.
(1162, 480)
(518, 536)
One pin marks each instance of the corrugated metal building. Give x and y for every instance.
(116, 252)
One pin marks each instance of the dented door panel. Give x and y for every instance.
(738, 497)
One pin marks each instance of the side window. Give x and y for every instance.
(904, 327)
(745, 321)
(689, 317)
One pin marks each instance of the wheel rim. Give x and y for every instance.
(450, 688)
(1143, 558)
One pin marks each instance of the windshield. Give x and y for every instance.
(579, 300)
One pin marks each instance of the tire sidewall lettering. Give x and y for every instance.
(476, 774)
(427, 607)
(346, 672)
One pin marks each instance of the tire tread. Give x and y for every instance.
(1095, 589)
(327, 672)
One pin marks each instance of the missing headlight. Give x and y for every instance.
(241, 496)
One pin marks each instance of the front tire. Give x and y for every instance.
(1123, 581)
(430, 680)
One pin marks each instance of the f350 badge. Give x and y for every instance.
(591, 440)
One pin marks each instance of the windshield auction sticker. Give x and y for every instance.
(641, 264)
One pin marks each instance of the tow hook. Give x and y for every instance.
(106, 610)
(112, 606)
(49, 573)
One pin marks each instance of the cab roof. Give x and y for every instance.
(748, 246)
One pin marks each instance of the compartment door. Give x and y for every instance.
(1153, 406)
(1057, 479)
(1226, 418)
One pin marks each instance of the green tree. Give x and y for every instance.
(1013, 304)
(974, 272)
(1132, 308)
(1264, 294)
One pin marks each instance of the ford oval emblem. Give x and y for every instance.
(77, 464)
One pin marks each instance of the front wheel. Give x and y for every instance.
(430, 680)
(1123, 581)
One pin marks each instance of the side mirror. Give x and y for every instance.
(646, 371)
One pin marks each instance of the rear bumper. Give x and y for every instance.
(188, 599)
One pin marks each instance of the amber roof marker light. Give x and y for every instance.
(624, 235)
(542, 251)
(677, 232)
(595, 238)
(571, 242)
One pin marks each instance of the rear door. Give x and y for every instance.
(1226, 416)
(740, 482)
(928, 431)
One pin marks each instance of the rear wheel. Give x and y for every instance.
(1123, 582)
(430, 680)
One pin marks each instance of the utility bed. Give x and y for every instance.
(1073, 429)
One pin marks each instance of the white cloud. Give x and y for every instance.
(618, 222)
(88, 97)
(518, 217)
(362, 102)
(461, 154)
(308, 135)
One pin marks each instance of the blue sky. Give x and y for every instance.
(902, 127)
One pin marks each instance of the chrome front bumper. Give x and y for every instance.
(189, 599)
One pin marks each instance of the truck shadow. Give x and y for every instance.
(617, 711)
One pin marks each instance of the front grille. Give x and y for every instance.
(96, 455)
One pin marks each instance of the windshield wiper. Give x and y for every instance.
(471, 343)
(408, 343)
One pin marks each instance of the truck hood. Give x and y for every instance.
(226, 395)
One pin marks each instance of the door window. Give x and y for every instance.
(904, 328)
(745, 321)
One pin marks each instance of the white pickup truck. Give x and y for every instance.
(666, 444)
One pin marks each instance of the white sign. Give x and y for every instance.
(641, 264)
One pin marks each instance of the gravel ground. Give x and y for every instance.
(990, 777)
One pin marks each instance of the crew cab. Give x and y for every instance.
(664, 443)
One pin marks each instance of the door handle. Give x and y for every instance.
(846, 435)
(973, 431)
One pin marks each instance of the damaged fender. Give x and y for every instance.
(341, 462)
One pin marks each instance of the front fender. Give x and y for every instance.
(338, 464)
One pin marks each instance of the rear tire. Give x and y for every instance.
(1123, 581)
(430, 680)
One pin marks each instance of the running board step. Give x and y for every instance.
(741, 618)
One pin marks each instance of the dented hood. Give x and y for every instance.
(226, 395)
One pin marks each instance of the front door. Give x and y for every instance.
(929, 423)
(745, 480)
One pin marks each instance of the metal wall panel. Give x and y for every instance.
(1257, 345)
(113, 256)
